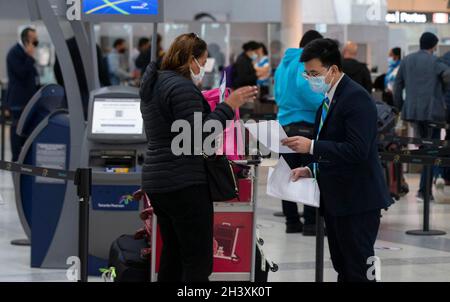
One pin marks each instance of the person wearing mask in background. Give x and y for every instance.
(297, 107)
(263, 69)
(356, 70)
(244, 73)
(394, 60)
(145, 53)
(23, 81)
(216, 53)
(178, 185)
(347, 167)
(117, 74)
(423, 77)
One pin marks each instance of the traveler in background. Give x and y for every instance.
(297, 105)
(178, 185)
(23, 82)
(346, 165)
(356, 70)
(216, 53)
(394, 60)
(117, 73)
(423, 77)
(263, 70)
(244, 73)
(145, 49)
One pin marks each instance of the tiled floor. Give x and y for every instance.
(403, 257)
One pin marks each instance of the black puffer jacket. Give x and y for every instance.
(167, 97)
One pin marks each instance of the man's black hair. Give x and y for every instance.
(142, 42)
(118, 42)
(310, 36)
(252, 45)
(24, 34)
(325, 50)
(397, 51)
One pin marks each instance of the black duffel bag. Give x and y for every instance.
(126, 257)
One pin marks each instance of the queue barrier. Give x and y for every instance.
(434, 153)
(82, 178)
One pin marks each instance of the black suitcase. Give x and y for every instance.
(126, 257)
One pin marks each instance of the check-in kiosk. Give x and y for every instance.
(114, 148)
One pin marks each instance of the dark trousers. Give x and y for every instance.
(422, 131)
(185, 219)
(16, 140)
(290, 209)
(351, 240)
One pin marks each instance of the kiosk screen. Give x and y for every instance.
(117, 116)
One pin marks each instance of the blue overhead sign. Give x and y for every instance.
(120, 7)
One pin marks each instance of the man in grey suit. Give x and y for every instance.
(424, 77)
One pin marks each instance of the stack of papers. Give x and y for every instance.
(280, 185)
(270, 134)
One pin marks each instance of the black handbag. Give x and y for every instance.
(221, 179)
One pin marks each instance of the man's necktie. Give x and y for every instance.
(325, 109)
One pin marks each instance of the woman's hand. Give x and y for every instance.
(241, 96)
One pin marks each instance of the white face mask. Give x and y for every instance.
(198, 78)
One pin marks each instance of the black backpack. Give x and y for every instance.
(387, 117)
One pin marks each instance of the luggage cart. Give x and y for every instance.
(234, 233)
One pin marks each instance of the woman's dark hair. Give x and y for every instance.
(250, 46)
(183, 49)
(397, 51)
(264, 49)
(325, 50)
(310, 36)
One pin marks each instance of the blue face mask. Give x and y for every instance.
(319, 85)
(391, 61)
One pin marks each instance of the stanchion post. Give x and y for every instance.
(83, 181)
(320, 235)
(426, 202)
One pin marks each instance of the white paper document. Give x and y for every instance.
(280, 185)
(270, 134)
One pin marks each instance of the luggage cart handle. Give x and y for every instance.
(252, 162)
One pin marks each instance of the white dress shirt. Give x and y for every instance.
(330, 96)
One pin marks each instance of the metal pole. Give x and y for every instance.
(426, 198)
(320, 235)
(83, 181)
(426, 202)
(154, 49)
(3, 123)
(254, 207)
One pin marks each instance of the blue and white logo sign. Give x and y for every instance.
(120, 7)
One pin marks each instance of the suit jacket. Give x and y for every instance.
(350, 175)
(22, 76)
(423, 77)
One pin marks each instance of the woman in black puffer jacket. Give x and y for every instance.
(177, 184)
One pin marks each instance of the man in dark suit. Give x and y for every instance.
(347, 167)
(23, 81)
